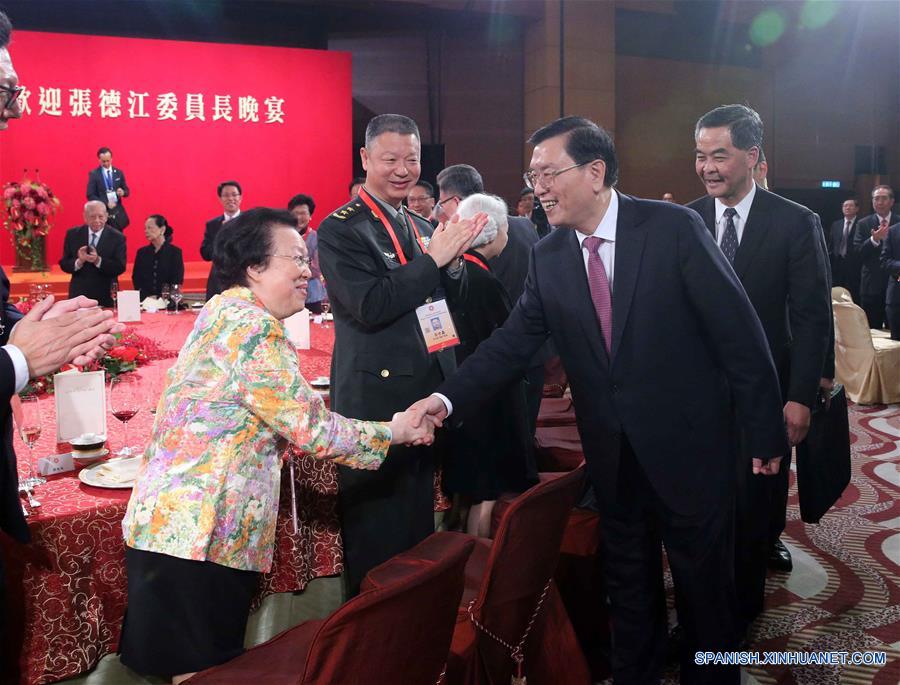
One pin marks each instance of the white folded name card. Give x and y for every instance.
(128, 304)
(80, 404)
(297, 327)
(57, 463)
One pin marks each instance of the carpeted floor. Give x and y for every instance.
(844, 591)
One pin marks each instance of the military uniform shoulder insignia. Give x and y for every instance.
(347, 211)
(416, 214)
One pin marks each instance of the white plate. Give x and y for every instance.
(80, 459)
(320, 382)
(197, 305)
(111, 474)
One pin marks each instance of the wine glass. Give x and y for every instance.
(114, 292)
(30, 423)
(165, 293)
(326, 307)
(124, 402)
(175, 289)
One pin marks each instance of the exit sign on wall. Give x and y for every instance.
(831, 184)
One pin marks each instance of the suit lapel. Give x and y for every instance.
(755, 230)
(630, 240)
(575, 288)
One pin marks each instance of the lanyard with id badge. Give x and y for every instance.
(435, 320)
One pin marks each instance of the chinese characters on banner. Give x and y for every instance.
(110, 104)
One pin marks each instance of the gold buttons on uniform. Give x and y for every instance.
(385, 373)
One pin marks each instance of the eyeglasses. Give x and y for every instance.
(301, 262)
(439, 207)
(547, 176)
(12, 94)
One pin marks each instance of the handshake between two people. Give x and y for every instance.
(416, 425)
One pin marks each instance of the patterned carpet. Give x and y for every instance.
(844, 591)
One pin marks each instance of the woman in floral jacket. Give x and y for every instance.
(200, 525)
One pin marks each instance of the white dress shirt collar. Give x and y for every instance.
(606, 229)
(740, 219)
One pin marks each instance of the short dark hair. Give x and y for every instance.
(742, 122)
(853, 199)
(886, 187)
(246, 241)
(460, 179)
(357, 181)
(586, 141)
(225, 184)
(103, 151)
(427, 186)
(301, 199)
(5, 30)
(526, 191)
(762, 157)
(391, 123)
(161, 222)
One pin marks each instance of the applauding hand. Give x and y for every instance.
(404, 432)
(450, 240)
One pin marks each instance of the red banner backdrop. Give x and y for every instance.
(179, 117)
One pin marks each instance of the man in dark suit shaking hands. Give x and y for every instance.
(656, 336)
(777, 251)
(230, 197)
(107, 184)
(94, 254)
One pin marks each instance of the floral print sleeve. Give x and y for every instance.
(272, 388)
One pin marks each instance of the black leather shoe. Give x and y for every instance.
(780, 558)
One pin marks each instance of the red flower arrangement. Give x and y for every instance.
(30, 206)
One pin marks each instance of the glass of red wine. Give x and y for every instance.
(124, 403)
(114, 292)
(30, 423)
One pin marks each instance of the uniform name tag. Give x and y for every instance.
(437, 325)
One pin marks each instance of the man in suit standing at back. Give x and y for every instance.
(229, 193)
(890, 262)
(94, 254)
(107, 184)
(656, 336)
(867, 241)
(777, 250)
(845, 266)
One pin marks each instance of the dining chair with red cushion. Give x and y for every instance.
(557, 448)
(398, 632)
(556, 411)
(509, 592)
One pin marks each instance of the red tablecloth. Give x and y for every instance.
(67, 589)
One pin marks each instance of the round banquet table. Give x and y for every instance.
(66, 590)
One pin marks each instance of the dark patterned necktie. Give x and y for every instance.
(730, 239)
(845, 236)
(600, 292)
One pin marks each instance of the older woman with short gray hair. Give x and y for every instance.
(492, 452)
